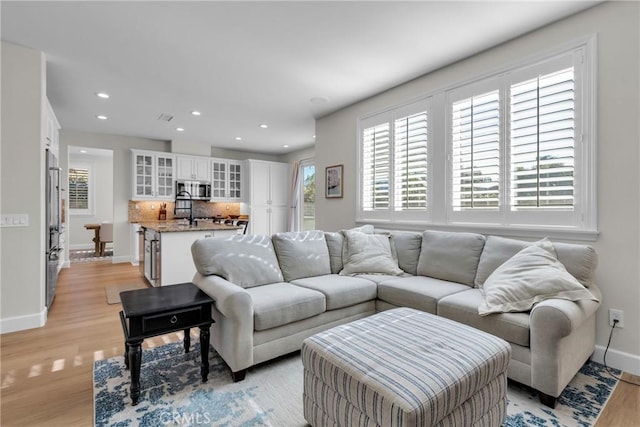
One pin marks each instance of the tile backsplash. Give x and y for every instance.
(141, 211)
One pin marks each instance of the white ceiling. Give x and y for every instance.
(243, 64)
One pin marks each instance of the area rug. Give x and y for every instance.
(271, 395)
(87, 255)
(113, 292)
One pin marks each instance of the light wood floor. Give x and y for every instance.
(47, 372)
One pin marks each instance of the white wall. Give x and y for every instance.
(22, 152)
(618, 135)
(101, 184)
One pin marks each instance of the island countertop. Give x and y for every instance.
(175, 226)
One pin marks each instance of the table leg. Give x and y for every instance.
(135, 359)
(96, 241)
(126, 355)
(187, 340)
(204, 351)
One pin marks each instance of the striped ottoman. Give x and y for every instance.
(404, 367)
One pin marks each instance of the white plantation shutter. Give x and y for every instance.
(410, 142)
(514, 149)
(475, 160)
(376, 163)
(78, 188)
(542, 140)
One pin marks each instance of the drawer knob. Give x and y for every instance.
(174, 319)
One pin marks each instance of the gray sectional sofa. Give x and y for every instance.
(273, 292)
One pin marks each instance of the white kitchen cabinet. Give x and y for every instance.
(153, 175)
(52, 130)
(176, 261)
(227, 180)
(194, 168)
(268, 196)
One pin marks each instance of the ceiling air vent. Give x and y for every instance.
(164, 117)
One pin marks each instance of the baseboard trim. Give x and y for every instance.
(21, 323)
(82, 246)
(120, 259)
(618, 359)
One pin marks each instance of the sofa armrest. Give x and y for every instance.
(232, 332)
(562, 339)
(559, 318)
(230, 299)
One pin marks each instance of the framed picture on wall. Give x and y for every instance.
(333, 181)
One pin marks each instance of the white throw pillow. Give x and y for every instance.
(532, 275)
(368, 254)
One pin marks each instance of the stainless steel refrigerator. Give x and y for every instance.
(53, 226)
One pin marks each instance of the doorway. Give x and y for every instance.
(88, 204)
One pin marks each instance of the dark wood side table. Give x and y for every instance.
(156, 311)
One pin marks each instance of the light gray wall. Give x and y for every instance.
(22, 152)
(618, 135)
(101, 179)
(122, 171)
(243, 155)
(303, 154)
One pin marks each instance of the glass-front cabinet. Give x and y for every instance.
(153, 175)
(226, 180)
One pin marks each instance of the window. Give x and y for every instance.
(514, 149)
(308, 197)
(476, 152)
(78, 188)
(542, 141)
(394, 163)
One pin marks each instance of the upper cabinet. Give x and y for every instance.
(194, 168)
(51, 130)
(227, 180)
(153, 175)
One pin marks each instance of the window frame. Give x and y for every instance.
(582, 225)
(389, 117)
(304, 164)
(90, 189)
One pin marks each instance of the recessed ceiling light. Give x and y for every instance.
(238, 138)
(83, 151)
(102, 95)
(195, 113)
(319, 100)
(180, 129)
(263, 126)
(314, 137)
(101, 117)
(285, 146)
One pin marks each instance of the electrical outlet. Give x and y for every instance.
(616, 315)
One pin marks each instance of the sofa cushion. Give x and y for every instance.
(379, 278)
(579, 260)
(335, 240)
(337, 249)
(417, 292)
(368, 253)
(406, 248)
(496, 251)
(279, 304)
(463, 307)
(340, 291)
(302, 254)
(246, 260)
(532, 275)
(450, 256)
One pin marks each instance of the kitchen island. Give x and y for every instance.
(167, 256)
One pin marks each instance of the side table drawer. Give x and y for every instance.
(171, 320)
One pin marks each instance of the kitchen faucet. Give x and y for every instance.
(190, 208)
